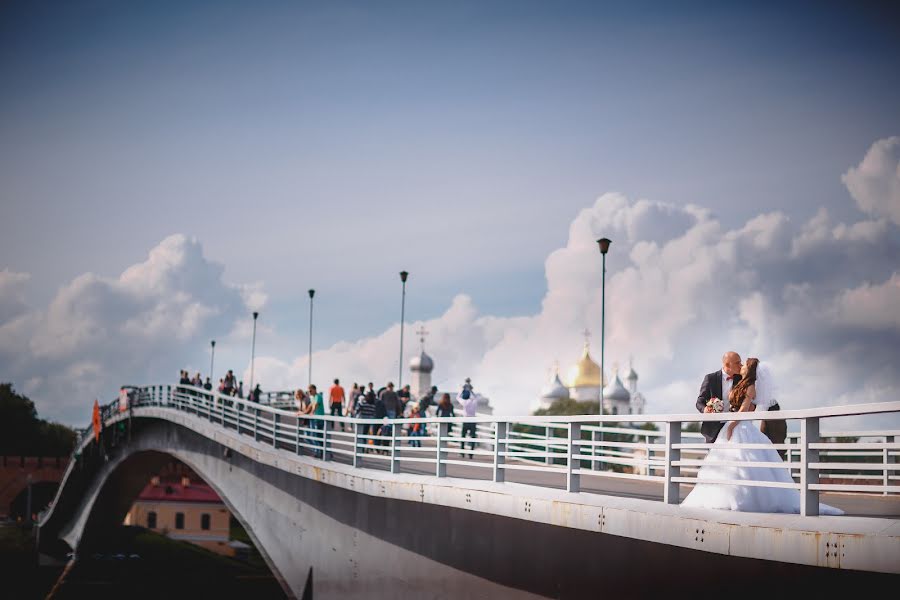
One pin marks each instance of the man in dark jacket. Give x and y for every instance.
(426, 401)
(718, 385)
(392, 405)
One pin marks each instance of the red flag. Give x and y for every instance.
(97, 424)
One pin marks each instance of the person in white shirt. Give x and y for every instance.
(469, 401)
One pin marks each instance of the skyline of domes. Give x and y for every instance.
(587, 383)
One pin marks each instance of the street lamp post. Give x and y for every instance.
(253, 351)
(212, 358)
(403, 276)
(604, 248)
(309, 376)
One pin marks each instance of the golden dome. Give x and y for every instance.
(585, 373)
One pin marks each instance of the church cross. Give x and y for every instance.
(421, 332)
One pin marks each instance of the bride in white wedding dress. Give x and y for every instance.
(755, 390)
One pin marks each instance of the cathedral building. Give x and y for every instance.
(586, 382)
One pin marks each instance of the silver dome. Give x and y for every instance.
(555, 389)
(616, 391)
(421, 363)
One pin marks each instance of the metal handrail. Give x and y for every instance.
(661, 460)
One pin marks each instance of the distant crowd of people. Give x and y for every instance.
(227, 385)
(363, 401)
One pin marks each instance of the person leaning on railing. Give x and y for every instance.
(316, 407)
(414, 431)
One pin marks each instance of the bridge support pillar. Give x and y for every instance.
(441, 466)
(573, 479)
(499, 449)
(672, 489)
(809, 499)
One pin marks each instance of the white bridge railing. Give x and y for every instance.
(576, 448)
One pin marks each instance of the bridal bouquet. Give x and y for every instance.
(716, 404)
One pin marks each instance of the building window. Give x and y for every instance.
(204, 522)
(179, 520)
(151, 520)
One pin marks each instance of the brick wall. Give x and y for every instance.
(14, 471)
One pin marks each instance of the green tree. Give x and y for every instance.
(27, 435)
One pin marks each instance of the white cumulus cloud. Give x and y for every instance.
(681, 289)
(100, 332)
(875, 182)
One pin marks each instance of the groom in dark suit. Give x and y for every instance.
(718, 385)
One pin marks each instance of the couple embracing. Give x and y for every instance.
(743, 387)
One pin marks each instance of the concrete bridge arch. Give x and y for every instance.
(356, 533)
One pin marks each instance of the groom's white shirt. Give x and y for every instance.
(727, 384)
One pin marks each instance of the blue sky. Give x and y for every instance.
(332, 144)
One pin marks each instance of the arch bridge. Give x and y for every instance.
(561, 507)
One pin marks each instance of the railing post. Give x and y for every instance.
(672, 489)
(297, 438)
(789, 456)
(256, 424)
(889, 439)
(395, 465)
(595, 437)
(441, 467)
(547, 460)
(276, 421)
(323, 427)
(809, 499)
(355, 444)
(573, 479)
(499, 449)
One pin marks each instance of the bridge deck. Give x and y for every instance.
(853, 504)
(869, 536)
(866, 513)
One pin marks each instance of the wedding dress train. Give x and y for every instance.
(742, 497)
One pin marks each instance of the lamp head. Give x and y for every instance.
(256, 314)
(403, 276)
(311, 294)
(604, 245)
(213, 343)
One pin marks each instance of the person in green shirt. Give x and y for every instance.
(316, 407)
